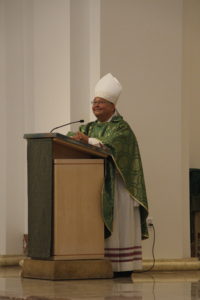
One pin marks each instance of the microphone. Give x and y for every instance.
(80, 121)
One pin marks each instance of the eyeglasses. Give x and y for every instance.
(98, 102)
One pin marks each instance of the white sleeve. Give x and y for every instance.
(95, 142)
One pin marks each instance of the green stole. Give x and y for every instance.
(121, 142)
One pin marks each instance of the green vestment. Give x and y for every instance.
(125, 159)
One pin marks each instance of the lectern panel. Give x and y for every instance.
(40, 199)
(78, 223)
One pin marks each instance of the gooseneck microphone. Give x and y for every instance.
(80, 121)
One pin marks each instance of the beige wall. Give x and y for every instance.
(192, 75)
(141, 43)
(3, 156)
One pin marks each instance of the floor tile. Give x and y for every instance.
(140, 286)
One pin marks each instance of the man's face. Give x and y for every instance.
(102, 109)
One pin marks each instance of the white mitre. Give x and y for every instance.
(108, 88)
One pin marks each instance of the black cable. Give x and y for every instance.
(153, 248)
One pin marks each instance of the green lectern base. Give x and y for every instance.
(67, 269)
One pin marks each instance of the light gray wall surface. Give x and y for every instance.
(49, 66)
(141, 43)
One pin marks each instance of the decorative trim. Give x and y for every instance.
(185, 264)
(11, 260)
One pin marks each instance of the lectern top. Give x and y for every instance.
(65, 140)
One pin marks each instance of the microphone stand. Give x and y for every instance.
(80, 121)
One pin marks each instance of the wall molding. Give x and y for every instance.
(186, 264)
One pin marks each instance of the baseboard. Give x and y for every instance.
(185, 264)
(67, 269)
(11, 260)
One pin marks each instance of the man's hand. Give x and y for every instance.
(79, 136)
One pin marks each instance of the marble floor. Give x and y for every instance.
(182, 285)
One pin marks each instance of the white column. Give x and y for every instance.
(51, 73)
(13, 166)
(84, 55)
(94, 48)
(50, 58)
(35, 96)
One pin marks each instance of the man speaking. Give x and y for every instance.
(125, 206)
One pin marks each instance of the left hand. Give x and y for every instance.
(80, 137)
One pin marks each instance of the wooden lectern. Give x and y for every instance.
(65, 224)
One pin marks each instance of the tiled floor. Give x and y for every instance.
(151, 286)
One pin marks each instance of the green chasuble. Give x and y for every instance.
(125, 159)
